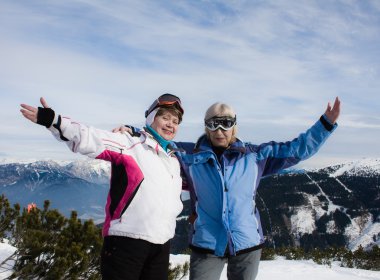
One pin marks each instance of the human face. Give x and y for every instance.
(220, 138)
(166, 125)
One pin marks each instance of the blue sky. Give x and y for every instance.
(277, 63)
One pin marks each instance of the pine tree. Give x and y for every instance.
(179, 271)
(50, 246)
(268, 254)
(7, 216)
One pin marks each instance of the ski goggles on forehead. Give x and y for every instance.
(166, 99)
(225, 123)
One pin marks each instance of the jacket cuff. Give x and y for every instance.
(326, 123)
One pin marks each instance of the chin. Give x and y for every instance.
(169, 138)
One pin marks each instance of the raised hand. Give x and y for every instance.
(30, 112)
(332, 113)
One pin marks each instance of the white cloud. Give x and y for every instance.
(277, 62)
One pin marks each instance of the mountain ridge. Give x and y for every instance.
(337, 205)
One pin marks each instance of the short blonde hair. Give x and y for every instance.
(221, 110)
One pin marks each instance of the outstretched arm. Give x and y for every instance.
(275, 156)
(79, 138)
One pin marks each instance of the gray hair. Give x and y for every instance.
(221, 110)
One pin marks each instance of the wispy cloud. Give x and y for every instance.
(277, 62)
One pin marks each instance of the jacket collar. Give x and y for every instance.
(204, 144)
(153, 143)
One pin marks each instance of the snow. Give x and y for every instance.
(331, 206)
(303, 221)
(343, 185)
(361, 232)
(297, 270)
(367, 165)
(269, 270)
(6, 250)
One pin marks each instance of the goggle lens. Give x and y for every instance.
(225, 123)
(165, 99)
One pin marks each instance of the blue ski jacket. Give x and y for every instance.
(223, 191)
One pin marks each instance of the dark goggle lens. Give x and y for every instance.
(168, 98)
(165, 99)
(223, 123)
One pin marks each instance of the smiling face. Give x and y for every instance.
(166, 124)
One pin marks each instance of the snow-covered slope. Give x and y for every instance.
(6, 251)
(95, 171)
(367, 166)
(297, 270)
(269, 270)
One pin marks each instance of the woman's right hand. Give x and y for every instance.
(122, 129)
(30, 112)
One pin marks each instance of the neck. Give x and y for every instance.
(218, 151)
(163, 142)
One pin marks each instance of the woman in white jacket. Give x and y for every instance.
(144, 196)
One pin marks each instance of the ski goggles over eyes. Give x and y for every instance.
(225, 123)
(165, 99)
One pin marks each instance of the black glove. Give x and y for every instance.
(45, 116)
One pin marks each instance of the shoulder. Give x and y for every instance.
(186, 147)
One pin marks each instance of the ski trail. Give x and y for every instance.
(343, 185)
(332, 207)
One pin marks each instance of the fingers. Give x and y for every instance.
(43, 103)
(126, 130)
(328, 109)
(336, 106)
(122, 129)
(29, 112)
(32, 116)
(332, 113)
(29, 108)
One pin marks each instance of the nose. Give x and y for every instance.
(170, 124)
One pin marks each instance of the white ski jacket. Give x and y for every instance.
(144, 197)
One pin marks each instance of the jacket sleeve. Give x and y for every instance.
(181, 149)
(88, 141)
(275, 156)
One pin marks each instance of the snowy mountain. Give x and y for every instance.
(364, 167)
(334, 206)
(337, 205)
(95, 171)
(80, 185)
